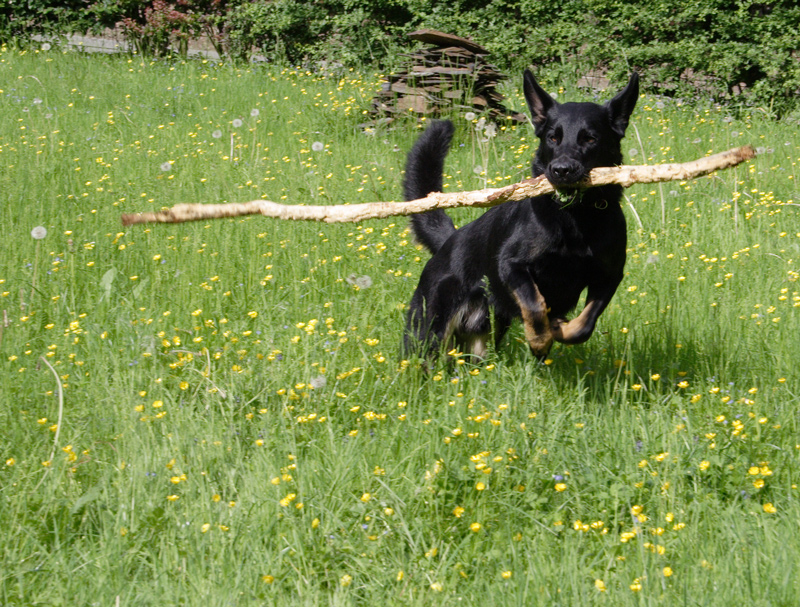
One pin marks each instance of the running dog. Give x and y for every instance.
(530, 259)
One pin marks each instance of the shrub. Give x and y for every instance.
(21, 20)
(735, 51)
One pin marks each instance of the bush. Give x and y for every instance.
(21, 20)
(283, 30)
(735, 51)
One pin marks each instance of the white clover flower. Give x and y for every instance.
(317, 146)
(39, 232)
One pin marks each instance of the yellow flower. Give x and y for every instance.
(458, 511)
(506, 575)
(667, 571)
(600, 585)
(475, 527)
(365, 497)
(346, 580)
(479, 486)
(205, 528)
(561, 487)
(173, 498)
(267, 579)
(769, 508)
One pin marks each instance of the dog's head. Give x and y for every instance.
(577, 137)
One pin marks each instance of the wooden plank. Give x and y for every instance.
(438, 38)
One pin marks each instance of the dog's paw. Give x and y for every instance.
(556, 328)
(574, 331)
(540, 345)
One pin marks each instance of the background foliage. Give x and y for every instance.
(732, 50)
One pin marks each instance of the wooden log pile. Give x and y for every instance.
(451, 74)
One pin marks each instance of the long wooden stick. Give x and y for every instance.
(622, 175)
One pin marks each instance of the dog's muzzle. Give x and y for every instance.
(563, 173)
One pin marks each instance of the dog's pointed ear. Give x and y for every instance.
(621, 106)
(539, 102)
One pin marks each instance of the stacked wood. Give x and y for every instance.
(450, 74)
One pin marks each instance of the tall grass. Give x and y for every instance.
(237, 424)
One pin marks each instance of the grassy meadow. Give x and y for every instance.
(218, 413)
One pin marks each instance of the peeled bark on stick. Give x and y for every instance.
(622, 175)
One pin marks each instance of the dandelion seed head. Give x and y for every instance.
(216, 134)
(39, 232)
(317, 146)
(364, 282)
(469, 116)
(254, 112)
(166, 166)
(237, 122)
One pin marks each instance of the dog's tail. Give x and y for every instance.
(424, 168)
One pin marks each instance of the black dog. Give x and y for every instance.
(531, 258)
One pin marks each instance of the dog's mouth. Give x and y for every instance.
(568, 196)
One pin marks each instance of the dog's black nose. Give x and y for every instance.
(564, 173)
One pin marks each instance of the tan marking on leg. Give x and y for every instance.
(537, 326)
(569, 332)
(476, 345)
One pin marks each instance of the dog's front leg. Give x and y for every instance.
(580, 328)
(534, 318)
